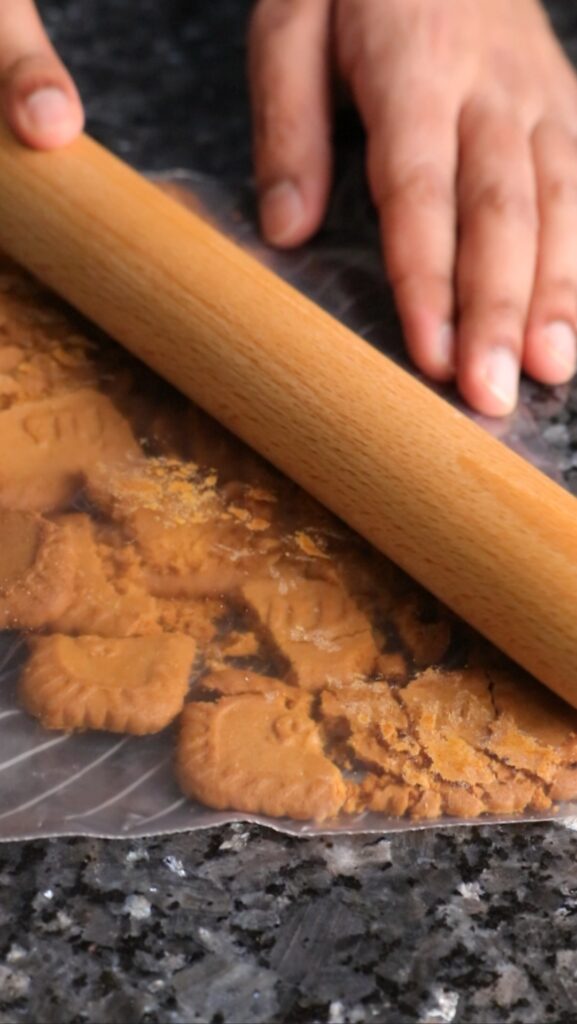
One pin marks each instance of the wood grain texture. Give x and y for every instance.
(479, 527)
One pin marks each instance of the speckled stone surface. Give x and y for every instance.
(242, 925)
(470, 925)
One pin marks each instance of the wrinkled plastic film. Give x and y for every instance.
(120, 786)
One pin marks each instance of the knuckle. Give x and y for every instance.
(424, 186)
(503, 200)
(560, 190)
(272, 16)
(560, 294)
(276, 124)
(404, 278)
(501, 310)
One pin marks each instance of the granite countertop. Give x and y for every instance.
(241, 924)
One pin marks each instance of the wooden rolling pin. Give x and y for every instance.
(479, 527)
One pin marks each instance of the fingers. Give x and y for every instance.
(551, 347)
(497, 254)
(412, 156)
(38, 97)
(410, 120)
(289, 84)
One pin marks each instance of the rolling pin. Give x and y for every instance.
(475, 524)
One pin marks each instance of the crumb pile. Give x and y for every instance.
(165, 574)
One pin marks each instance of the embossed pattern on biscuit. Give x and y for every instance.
(47, 445)
(135, 685)
(37, 568)
(109, 594)
(259, 753)
(316, 625)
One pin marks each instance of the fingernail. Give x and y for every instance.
(561, 345)
(502, 376)
(281, 212)
(445, 348)
(47, 107)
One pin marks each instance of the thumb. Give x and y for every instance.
(37, 95)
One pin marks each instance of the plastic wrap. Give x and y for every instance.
(98, 784)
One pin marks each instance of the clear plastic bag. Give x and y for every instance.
(97, 784)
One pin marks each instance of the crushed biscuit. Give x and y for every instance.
(141, 539)
(38, 562)
(315, 625)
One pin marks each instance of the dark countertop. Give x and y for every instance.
(241, 924)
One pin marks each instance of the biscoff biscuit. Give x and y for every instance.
(260, 753)
(109, 593)
(190, 542)
(134, 685)
(315, 625)
(38, 561)
(47, 445)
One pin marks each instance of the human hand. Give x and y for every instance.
(38, 97)
(470, 110)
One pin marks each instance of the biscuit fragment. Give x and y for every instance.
(260, 753)
(231, 682)
(195, 618)
(37, 567)
(109, 594)
(47, 445)
(191, 544)
(316, 626)
(135, 685)
(368, 729)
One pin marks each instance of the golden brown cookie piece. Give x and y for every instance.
(512, 792)
(535, 732)
(47, 446)
(381, 793)
(564, 785)
(259, 753)
(135, 685)
(50, 369)
(457, 700)
(391, 665)
(472, 741)
(239, 645)
(315, 625)
(522, 751)
(109, 593)
(195, 618)
(535, 710)
(368, 729)
(232, 681)
(37, 568)
(10, 357)
(191, 544)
